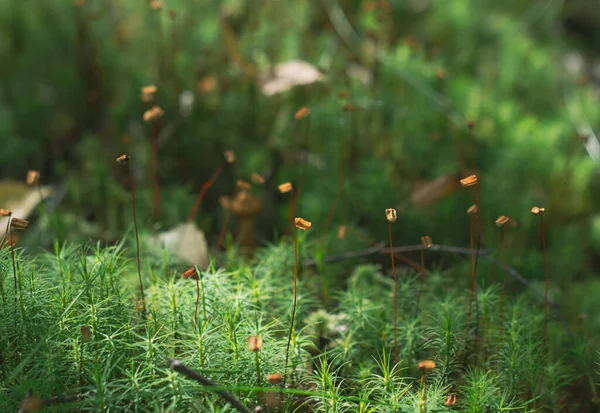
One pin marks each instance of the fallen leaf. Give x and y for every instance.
(186, 242)
(20, 198)
(285, 76)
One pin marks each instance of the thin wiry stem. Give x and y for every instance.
(81, 365)
(543, 236)
(137, 239)
(197, 300)
(503, 282)
(290, 213)
(154, 143)
(205, 187)
(473, 280)
(395, 297)
(225, 224)
(289, 340)
(422, 279)
(12, 255)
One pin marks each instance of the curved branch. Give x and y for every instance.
(179, 367)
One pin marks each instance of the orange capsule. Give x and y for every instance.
(123, 159)
(537, 210)
(473, 209)
(285, 187)
(33, 178)
(426, 241)
(257, 179)
(450, 400)
(255, 343)
(274, 378)
(243, 184)
(17, 223)
(302, 113)
(390, 215)
(153, 114)
(469, 181)
(302, 223)
(426, 365)
(191, 273)
(342, 231)
(502, 220)
(229, 156)
(149, 90)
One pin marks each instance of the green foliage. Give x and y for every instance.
(341, 359)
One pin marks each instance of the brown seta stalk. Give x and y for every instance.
(229, 159)
(124, 159)
(391, 216)
(304, 225)
(540, 212)
(474, 210)
(426, 242)
(501, 222)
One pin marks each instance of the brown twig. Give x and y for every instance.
(179, 367)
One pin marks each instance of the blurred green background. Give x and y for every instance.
(399, 84)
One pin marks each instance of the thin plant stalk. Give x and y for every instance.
(81, 383)
(197, 302)
(225, 224)
(503, 282)
(125, 159)
(154, 143)
(291, 209)
(473, 279)
(205, 187)
(424, 385)
(422, 278)
(395, 296)
(14, 265)
(258, 373)
(543, 236)
(287, 350)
